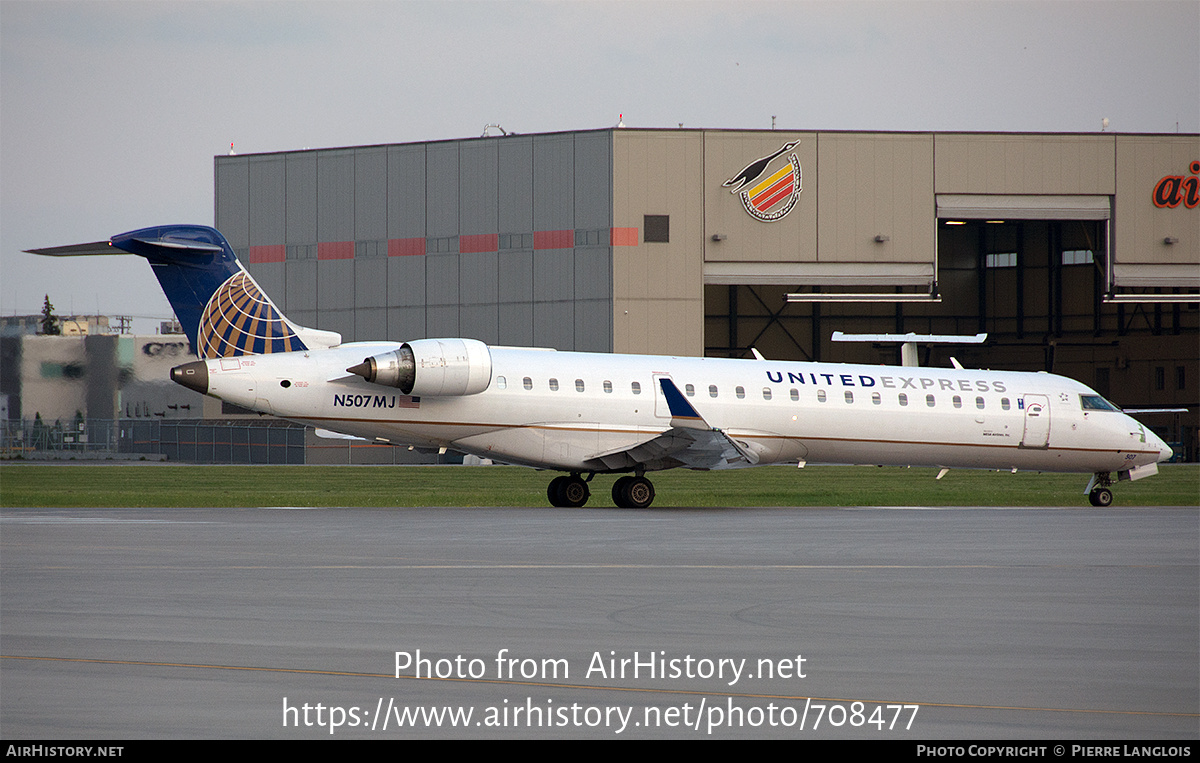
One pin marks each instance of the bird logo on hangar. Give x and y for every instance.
(769, 197)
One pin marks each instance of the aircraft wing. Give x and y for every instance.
(690, 443)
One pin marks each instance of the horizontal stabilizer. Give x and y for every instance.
(78, 250)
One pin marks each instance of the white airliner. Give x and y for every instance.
(589, 413)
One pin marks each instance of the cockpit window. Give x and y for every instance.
(1096, 403)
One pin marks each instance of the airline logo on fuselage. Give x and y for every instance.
(886, 382)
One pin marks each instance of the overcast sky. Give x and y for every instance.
(111, 112)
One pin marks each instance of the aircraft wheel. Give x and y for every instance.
(574, 492)
(554, 490)
(633, 492)
(1101, 496)
(618, 491)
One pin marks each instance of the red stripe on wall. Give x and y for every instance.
(553, 239)
(335, 250)
(274, 253)
(786, 180)
(485, 242)
(624, 236)
(406, 247)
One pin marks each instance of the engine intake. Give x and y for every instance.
(431, 367)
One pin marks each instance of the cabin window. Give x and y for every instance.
(957, 401)
(820, 396)
(903, 399)
(554, 385)
(527, 382)
(636, 387)
(712, 390)
(1004, 403)
(501, 383)
(849, 396)
(795, 395)
(579, 385)
(875, 398)
(979, 403)
(740, 392)
(690, 389)
(929, 400)
(766, 393)
(607, 386)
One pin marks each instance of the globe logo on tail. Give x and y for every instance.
(769, 195)
(240, 320)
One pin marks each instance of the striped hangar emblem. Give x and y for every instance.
(769, 197)
(239, 320)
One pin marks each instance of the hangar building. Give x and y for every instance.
(1077, 253)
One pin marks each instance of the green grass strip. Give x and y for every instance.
(169, 485)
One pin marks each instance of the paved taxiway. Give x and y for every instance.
(1053, 623)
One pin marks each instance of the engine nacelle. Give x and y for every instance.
(431, 367)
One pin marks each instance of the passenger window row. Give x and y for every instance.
(740, 393)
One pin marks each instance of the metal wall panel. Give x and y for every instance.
(441, 279)
(1024, 164)
(442, 321)
(515, 200)
(593, 273)
(370, 194)
(268, 186)
(370, 323)
(593, 180)
(593, 325)
(657, 287)
(515, 277)
(553, 275)
(554, 325)
(478, 187)
(302, 198)
(406, 191)
(335, 291)
(479, 322)
(515, 324)
(876, 185)
(478, 278)
(1141, 227)
(441, 190)
(271, 277)
(553, 182)
(335, 196)
(301, 289)
(370, 284)
(341, 321)
(405, 324)
(406, 281)
(232, 213)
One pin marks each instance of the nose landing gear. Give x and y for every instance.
(1098, 491)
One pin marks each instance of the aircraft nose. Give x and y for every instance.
(1164, 451)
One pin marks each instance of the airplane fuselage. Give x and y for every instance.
(584, 411)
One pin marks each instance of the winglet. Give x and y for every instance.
(682, 412)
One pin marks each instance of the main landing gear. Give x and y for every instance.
(1098, 490)
(628, 492)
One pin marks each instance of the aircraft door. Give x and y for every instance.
(1037, 421)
